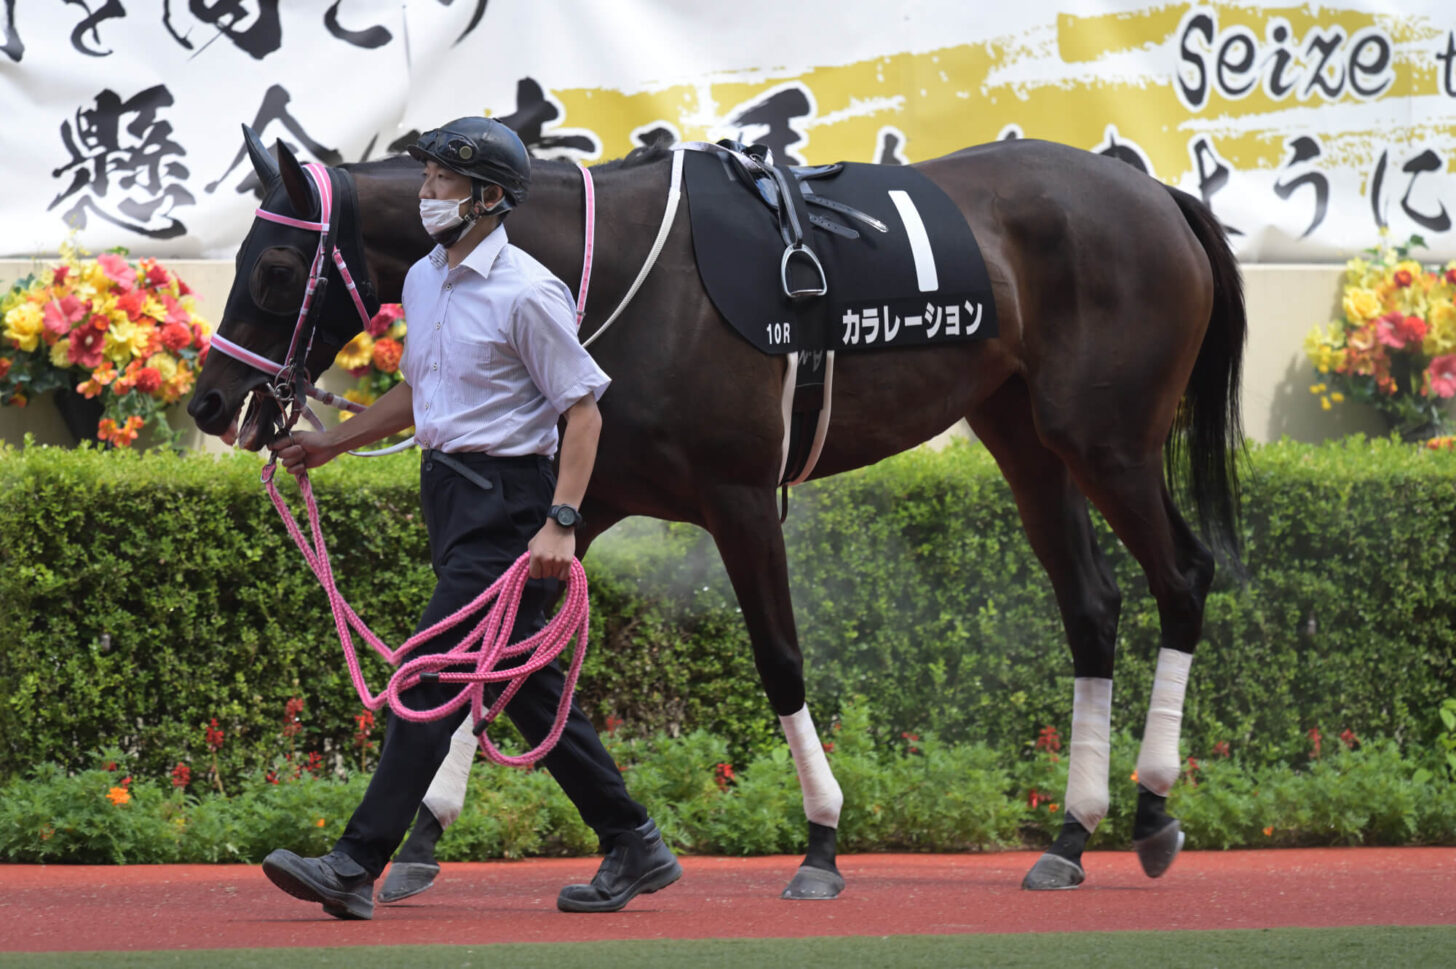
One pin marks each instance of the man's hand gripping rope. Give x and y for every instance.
(482, 649)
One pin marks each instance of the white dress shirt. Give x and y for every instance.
(491, 355)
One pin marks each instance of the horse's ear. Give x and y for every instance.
(295, 180)
(263, 162)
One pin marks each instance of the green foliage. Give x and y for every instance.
(913, 793)
(143, 595)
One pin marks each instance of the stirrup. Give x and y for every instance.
(800, 249)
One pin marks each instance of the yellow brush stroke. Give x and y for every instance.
(947, 99)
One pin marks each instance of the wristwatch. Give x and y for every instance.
(564, 515)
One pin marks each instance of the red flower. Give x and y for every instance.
(291, 710)
(111, 765)
(384, 319)
(1049, 739)
(148, 379)
(613, 723)
(175, 336)
(1221, 748)
(213, 736)
(828, 746)
(86, 346)
(156, 276)
(364, 723)
(1315, 737)
(315, 763)
(1450, 276)
(723, 775)
(1035, 797)
(4, 366)
(133, 302)
(1348, 738)
(181, 775)
(59, 276)
(1402, 278)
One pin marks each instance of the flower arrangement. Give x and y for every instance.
(372, 357)
(1395, 348)
(104, 328)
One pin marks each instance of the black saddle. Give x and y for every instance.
(787, 191)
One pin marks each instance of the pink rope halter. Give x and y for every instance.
(482, 648)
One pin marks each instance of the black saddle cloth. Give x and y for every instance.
(923, 281)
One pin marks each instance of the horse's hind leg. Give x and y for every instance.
(1126, 484)
(744, 523)
(1054, 514)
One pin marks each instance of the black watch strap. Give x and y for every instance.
(564, 515)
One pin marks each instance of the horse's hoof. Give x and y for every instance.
(1157, 851)
(407, 878)
(1053, 873)
(814, 883)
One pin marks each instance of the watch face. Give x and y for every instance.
(565, 516)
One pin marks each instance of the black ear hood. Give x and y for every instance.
(332, 313)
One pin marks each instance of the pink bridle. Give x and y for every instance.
(283, 374)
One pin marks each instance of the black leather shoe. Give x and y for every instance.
(638, 863)
(336, 880)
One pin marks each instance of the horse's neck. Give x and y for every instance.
(551, 226)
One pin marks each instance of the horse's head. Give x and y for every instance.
(270, 347)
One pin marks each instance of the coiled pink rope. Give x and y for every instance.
(492, 633)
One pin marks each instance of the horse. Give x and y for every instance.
(1113, 379)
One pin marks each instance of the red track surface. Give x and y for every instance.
(65, 908)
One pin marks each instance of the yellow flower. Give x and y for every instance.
(1361, 305)
(154, 308)
(59, 349)
(24, 325)
(1337, 397)
(165, 363)
(1317, 388)
(1324, 403)
(118, 795)
(356, 353)
(1441, 337)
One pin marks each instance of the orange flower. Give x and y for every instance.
(386, 354)
(319, 823)
(1269, 831)
(118, 795)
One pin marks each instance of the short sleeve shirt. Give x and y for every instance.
(491, 355)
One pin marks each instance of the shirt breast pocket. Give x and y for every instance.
(470, 366)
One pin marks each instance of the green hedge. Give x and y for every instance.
(143, 595)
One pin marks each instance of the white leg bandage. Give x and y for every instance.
(1158, 761)
(1091, 750)
(822, 796)
(446, 795)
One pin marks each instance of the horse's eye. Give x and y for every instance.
(279, 275)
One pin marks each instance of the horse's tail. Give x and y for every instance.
(1207, 437)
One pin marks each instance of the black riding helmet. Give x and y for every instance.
(483, 150)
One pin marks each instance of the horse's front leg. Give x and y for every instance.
(744, 523)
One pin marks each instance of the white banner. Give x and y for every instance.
(1306, 127)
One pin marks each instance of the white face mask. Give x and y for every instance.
(440, 215)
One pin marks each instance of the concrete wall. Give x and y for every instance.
(1284, 301)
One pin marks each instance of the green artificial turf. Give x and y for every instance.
(1377, 947)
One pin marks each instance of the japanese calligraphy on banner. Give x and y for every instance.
(1307, 127)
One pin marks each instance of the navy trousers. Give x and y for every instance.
(475, 535)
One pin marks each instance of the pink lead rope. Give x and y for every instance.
(492, 633)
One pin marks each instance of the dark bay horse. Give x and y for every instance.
(1114, 376)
